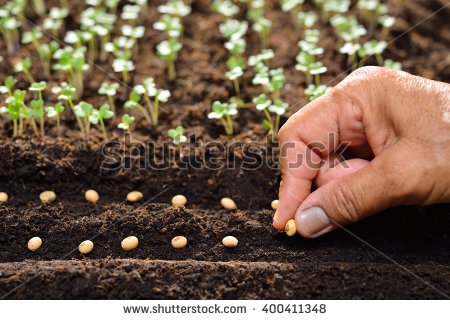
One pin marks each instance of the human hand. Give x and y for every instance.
(397, 127)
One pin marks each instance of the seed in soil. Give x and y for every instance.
(290, 228)
(34, 243)
(228, 203)
(3, 197)
(179, 242)
(230, 242)
(179, 200)
(135, 196)
(86, 246)
(274, 204)
(130, 243)
(92, 196)
(47, 197)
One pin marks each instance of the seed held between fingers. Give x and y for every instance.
(34, 243)
(135, 196)
(274, 204)
(179, 200)
(179, 242)
(86, 246)
(130, 243)
(47, 197)
(92, 196)
(290, 228)
(3, 197)
(230, 242)
(228, 204)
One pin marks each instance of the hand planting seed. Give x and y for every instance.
(129, 243)
(34, 243)
(290, 228)
(135, 196)
(274, 204)
(3, 197)
(92, 196)
(230, 242)
(47, 197)
(228, 204)
(179, 201)
(86, 247)
(179, 242)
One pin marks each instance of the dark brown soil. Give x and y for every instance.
(266, 264)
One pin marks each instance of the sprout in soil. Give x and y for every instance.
(371, 9)
(177, 135)
(8, 86)
(9, 27)
(390, 64)
(292, 6)
(168, 50)
(66, 93)
(175, 8)
(24, 66)
(234, 75)
(262, 27)
(72, 62)
(278, 108)
(130, 13)
(83, 111)
(37, 106)
(170, 25)
(149, 91)
(55, 21)
(313, 92)
(223, 111)
(55, 112)
(307, 64)
(126, 123)
(225, 7)
(110, 90)
(351, 49)
(372, 48)
(332, 7)
(39, 7)
(33, 37)
(386, 22)
(99, 116)
(124, 65)
(307, 19)
(233, 29)
(347, 29)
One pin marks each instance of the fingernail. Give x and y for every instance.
(313, 222)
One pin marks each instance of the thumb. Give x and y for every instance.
(351, 198)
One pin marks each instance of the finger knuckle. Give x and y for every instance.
(346, 203)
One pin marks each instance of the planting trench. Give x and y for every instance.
(266, 264)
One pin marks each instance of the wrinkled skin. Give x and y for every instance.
(397, 127)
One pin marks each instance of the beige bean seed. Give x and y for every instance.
(290, 228)
(92, 196)
(135, 196)
(230, 242)
(86, 246)
(47, 197)
(34, 243)
(179, 200)
(274, 204)
(228, 204)
(130, 243)
(179, 242)
(3, 197)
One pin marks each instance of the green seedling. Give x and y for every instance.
(292, 6)
(8, 86)
(234, 75)
(277, 80)
(262, 26)
(24, 66)
(233, 29)
(130, 13)
(313, 92)
(46, 51)
(83, 111)
(149, 91)
(124, 65)
(110, 90)
(175, 8)
(224, 112)
(126, 123)
(170, 25)
(71, 61)
(9, 27)
(55, 21)
(351, 49)
(347, 28)
(66, 93)
(99, 116)
(33, 37)
(55, 112)
(37, 111)
(278, 108)
(307, 19)
(372, 48)
(39, 7)
(167, 50)
(134, 102)
(177, 135)
(226, 8)
(390, 64)
(371, 10)
(386, 22)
